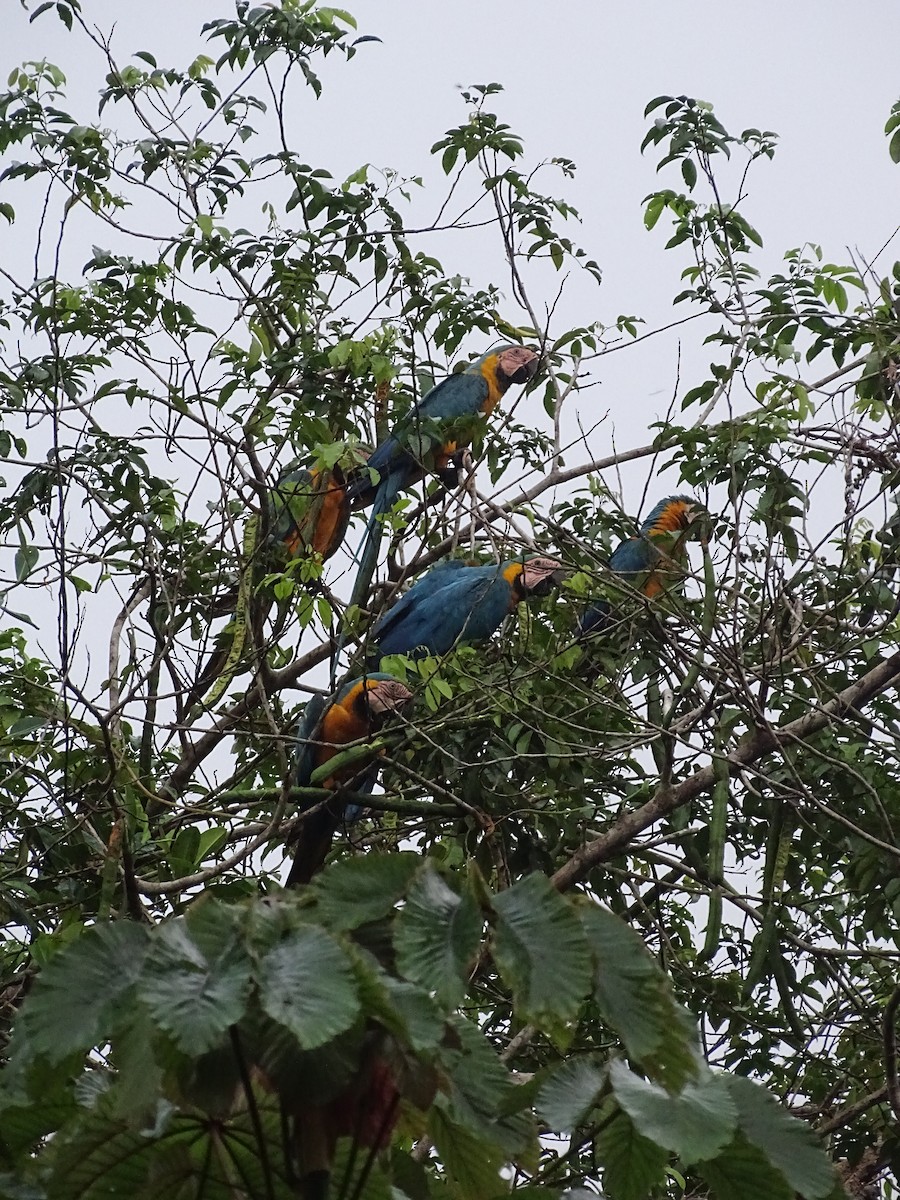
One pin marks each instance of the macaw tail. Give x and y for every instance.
(387, 493)
(313, 842)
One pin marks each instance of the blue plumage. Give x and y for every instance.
(456, 603)
(427, 435)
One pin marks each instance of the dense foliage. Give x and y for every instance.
(624, 919)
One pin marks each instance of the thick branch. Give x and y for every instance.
(754, 747)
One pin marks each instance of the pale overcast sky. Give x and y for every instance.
(577, 77)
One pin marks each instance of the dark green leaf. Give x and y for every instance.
(541, 951)
(363, 889)
(437, 935)
(788, 1144)
(632, 1165)
(696, 1123)
(90, 981)
(306, 984)
(636, 1000)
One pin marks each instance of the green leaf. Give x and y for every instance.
(632, 1165)
(541, 951)
(88, 981)
(894, 147)
(689, 173)
(363, 889)
(437, 935)
(788, 1144)
(471, 1162)
(635, 999)
(695, 1123)
(570, 1091)
(741, 1172)
(483, 1095)
(26, 560)
(306, 983)
(196, 991)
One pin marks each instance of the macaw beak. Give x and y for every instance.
(520, 363)
(387, 696)
(541, 575)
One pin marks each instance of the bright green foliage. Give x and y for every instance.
(624, 918)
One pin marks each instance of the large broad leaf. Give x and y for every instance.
(82, 992)
(437, 936)
(541, 951)
(570, 1091)
(364, 888)
(471, 1162)
(788, 1144)
(742, 1172)
(483, 1094)
(306, 983)
(632, 1165)
(635, 998)
(195, 995)
(696, 1123)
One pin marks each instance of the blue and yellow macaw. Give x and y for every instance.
(654, 559)
(356, 712)
(308, 511)
(457, 603)
(426, 438)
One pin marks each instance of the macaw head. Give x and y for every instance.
(514, 364)
(382, 695)
(675, 514)
(533, 577)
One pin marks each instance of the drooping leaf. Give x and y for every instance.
(364, 888)
(482, 1093)
(632, 1165)
(696, 1123)
(635, 998)
(89, 981)
(541, 951)
(742, 1172)
(472, 1162)
(306, 983)
(570, 1091)
(195, 998)
(437, 935)
(787, 1143)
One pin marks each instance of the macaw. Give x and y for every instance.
(308, 511)
(651, 561)
(357, 711)
(427, 437)
(457, 603)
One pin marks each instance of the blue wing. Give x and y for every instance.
(305, 752)
(467, 601)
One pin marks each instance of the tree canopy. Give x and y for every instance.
(621, 918)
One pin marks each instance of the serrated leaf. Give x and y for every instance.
(570, 1091)
(473, 1164)
(365, 888)
(742, 1172)
(483, 1094)
(437, 935)
(541, 951)
(88, 982)
(306, 984)
(195, 991)
(632, 1164)
(788, 1144)
(695, 1123)
(635, 998)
